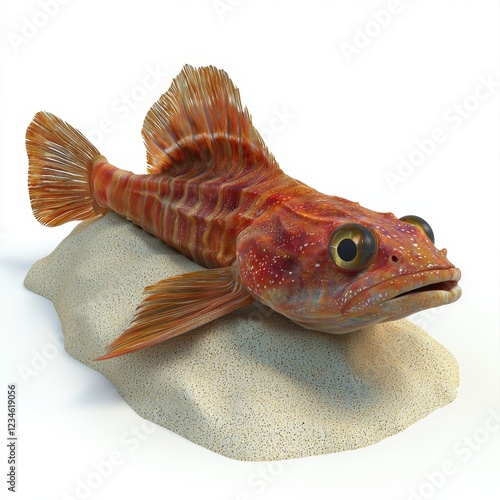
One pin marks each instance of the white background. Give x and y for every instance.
(348, 121)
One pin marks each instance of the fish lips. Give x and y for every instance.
(404, 295)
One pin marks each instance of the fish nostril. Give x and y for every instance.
(395, 258)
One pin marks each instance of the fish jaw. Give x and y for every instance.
(390, 300)
(407, 294)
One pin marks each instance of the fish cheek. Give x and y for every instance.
(282, 293)
(286, 275)
(270, 275)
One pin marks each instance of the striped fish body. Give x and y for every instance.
(215, 193)
(199, 216)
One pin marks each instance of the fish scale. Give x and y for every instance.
(215, 193)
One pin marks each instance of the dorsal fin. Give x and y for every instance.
(199, 125)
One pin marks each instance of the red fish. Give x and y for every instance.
(215, 193)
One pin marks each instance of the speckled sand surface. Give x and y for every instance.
(252, 385)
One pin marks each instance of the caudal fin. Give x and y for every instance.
(60, 162)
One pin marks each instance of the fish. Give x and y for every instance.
(214, 192)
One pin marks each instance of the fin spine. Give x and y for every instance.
(200, 125)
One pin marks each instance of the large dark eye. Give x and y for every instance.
(352, 247)
(415, 220)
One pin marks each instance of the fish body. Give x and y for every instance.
(215, 193)
(201, 216)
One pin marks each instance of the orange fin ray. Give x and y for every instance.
(60, 162)
(177, 305)
(199, 125)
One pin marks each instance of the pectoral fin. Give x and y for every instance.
(177, 305)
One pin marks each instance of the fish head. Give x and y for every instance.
(334, 266)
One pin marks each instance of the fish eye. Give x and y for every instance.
(352, 247)
(415, 220)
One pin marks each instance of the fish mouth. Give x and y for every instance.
(389, 300)
(404, 295)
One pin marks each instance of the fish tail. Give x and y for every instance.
(60, 164)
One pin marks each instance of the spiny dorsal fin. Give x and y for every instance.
(199, 125)
(177, 305)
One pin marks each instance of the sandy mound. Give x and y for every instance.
(252, 385)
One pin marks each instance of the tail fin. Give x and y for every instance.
(60, 162)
